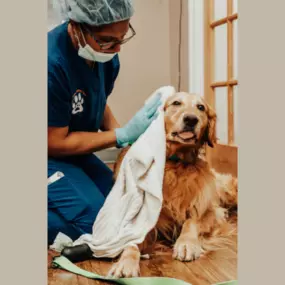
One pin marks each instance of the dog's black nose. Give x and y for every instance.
(190, 120)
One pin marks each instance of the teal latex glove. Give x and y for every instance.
(139, 123)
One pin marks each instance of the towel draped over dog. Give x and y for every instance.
(133, 206)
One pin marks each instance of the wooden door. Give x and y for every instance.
(220, 67)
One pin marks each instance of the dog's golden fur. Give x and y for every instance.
(196, 199)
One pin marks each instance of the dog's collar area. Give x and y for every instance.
(175, 158)
(186, 159)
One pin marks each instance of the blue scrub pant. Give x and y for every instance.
(75, 199)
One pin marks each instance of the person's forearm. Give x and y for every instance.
(109, 120)
(77, 143)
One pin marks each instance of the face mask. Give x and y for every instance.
(89, 53)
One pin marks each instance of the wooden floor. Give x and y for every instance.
(216, 267)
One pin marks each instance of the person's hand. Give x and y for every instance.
(139, 123)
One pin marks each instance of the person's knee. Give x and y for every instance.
(57, 224)
(99, 172)
(84, 222)
(76, 198)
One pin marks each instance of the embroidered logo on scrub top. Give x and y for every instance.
(78, 102)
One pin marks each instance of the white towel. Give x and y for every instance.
(133, 206)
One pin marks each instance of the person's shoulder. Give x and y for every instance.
(57, 31)
(56, 44)
(55, 64)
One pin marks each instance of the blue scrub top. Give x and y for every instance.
(77, 94)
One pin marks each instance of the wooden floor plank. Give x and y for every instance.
(177, 269)
(87, 265)
(149, 268)
(60, 277)
(101, 267)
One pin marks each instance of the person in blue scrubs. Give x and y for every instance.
(83, 65)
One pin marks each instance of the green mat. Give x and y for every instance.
(63, 263)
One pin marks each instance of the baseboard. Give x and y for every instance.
(108, 155)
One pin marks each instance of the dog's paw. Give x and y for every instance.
(187, 250)
(125, 268)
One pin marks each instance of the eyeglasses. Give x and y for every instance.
(104, 45)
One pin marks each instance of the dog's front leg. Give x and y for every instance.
(187, 246)
(128, 264)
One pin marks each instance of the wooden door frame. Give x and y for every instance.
(223, 157)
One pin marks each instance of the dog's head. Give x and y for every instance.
(189, 121)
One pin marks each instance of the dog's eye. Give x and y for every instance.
(201, 107)
(176, 103)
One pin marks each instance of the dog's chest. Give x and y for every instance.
(179, 190)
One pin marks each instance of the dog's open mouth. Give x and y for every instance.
(185, 135)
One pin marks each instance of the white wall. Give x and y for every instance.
(145, 60)
(196, 46)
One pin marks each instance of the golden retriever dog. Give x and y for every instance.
(196, 199)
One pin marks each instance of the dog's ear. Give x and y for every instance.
(210, 133)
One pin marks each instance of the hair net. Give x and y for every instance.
(95, 12)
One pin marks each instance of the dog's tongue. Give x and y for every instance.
(186, 135)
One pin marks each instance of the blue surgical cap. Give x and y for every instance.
(95, 12)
